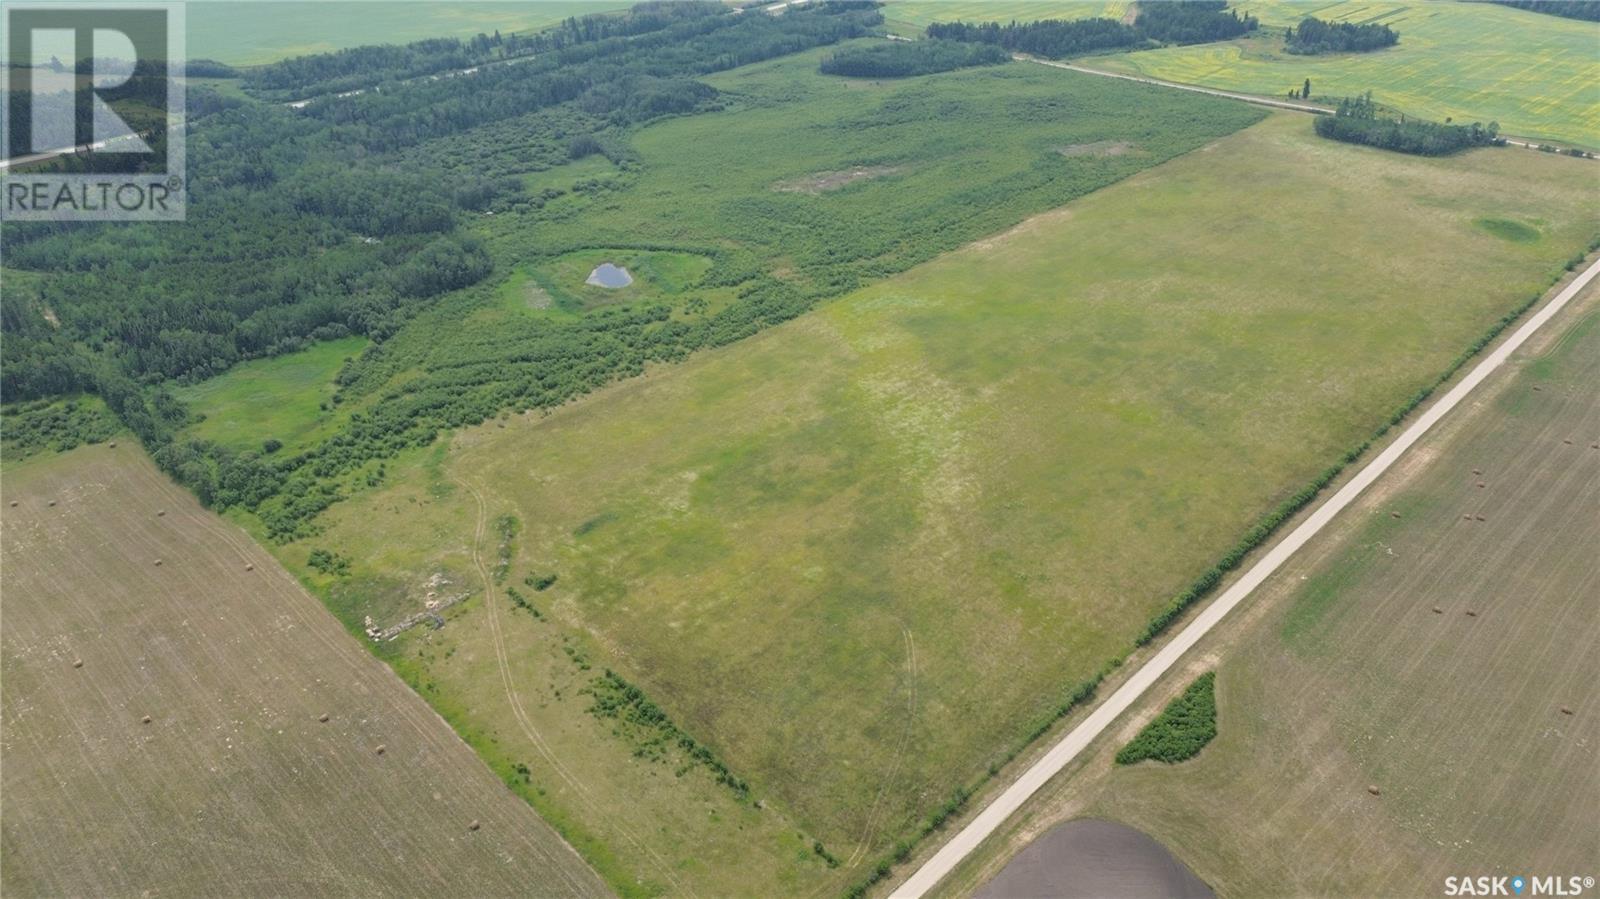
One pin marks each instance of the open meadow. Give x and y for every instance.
(857, 558)
(1537, 75)
(253, 32)
(1443, 660)
(182, 718)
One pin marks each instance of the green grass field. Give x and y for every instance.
(1537, 75)
(279, 398)
(250, 32)
(1342, 675)
(966, 154)
(860, 554)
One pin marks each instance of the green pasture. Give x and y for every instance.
(861, 554)
(253, 32)
(281, 398)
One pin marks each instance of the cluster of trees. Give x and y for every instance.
(1182, 729)
(1192, 22)
(1313, 36)
(1587, 10)
(1050, 38)
(1182, 22)
(1357, 121)
(905, 58)
(334, 220)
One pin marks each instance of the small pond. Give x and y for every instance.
(1093, 859)
(607, 275)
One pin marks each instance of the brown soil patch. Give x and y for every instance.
(1098, 148)
(822, 182)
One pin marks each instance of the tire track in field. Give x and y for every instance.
(899, 754)
(514, 699)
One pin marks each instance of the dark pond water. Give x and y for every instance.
(607, 275)
(1092, 859)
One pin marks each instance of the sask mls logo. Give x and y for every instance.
(1518, 885)
(91, 124)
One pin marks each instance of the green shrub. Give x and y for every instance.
(1182, 729)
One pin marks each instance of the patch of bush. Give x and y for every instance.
(902, 59)
(1313, 36)
(1182, 729)
(1356, 121)
(651, 731)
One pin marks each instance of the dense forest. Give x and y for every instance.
(1313, 36)
(1357, 121)
(316, 223)
(1187, 22)
(1587, 10)
(1050, 38)
(901, 59)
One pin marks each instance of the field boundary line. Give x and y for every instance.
(1076, 740)
(1257, 99)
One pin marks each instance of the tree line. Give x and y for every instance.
(1357, 121)
(1314, 36)
(1587, 10)
(900, 59)
(1186, 22)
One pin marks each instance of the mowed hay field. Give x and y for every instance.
(1537, 75)
(1339, 674)
(185, 756)
(860, 555)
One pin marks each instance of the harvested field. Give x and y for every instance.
(207, 728)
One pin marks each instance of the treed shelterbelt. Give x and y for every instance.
(1189, 22)
(1357, 121)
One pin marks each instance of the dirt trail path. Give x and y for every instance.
(519, 712)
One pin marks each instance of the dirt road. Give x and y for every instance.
(1079, 737)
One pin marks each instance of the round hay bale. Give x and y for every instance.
(1481, 485)
(1438, 611)
(323, 717)
(13, 504)
(158, 563)
(1537, 387)
(249, 567)
(77, 663)
(1394, 514)
(1565, 710)
(1477, 471)
(1466, 517)
(1478, 517)
(1567, 442)
(1373, 789)
(145, 720)
(112, 444)
(1471, 614)
(381, 749)
(473, 825)
(51, 503)
(160, 513)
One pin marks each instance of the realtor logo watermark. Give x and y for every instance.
(91, 126)
(1518, 885)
